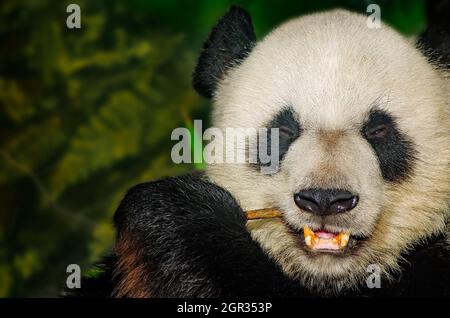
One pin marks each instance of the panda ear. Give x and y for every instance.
(229, 43)
(436, 38)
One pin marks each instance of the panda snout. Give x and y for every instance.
(324, 202)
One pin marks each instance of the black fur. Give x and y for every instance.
(394, 150)
(193, 234)
(193, 240)
(426, 271)
(436, 39)
(229, 43)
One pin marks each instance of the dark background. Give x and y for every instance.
(87, 113)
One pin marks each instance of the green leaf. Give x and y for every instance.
(112, 134)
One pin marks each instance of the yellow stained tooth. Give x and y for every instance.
(307, 231)
(308, 240)
(343, 239)
(309, 235)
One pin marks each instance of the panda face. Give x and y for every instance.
(364, 146)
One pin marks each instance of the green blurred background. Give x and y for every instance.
(87, 113)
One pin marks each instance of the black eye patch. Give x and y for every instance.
(394, 150)
(289, 130)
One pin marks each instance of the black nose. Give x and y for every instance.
(325, 201)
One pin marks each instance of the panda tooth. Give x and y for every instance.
(343, 239)
(307, 231)
(308, 240)
(310, 236)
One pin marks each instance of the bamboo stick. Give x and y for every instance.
(263, 214)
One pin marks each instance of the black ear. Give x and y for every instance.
(230, 41)
(436, 38)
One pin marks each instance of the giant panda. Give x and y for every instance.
(364, 149)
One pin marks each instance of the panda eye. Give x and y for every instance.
(286, 131)
(394, 150)
(379, 131)
(289, 130)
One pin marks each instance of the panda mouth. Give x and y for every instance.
(322, 240)
(317, 240)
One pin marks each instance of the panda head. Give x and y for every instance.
(364, 140)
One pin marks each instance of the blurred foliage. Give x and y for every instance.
(87, 113)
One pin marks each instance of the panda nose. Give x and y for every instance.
(325, 201)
